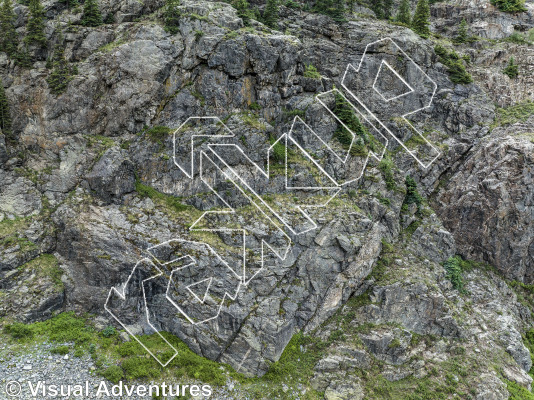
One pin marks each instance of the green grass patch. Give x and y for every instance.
(518, 392)
(46, 266)
(513, 114)
(158, 133)
(172, 202)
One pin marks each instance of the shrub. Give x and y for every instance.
(512, 70)
(511, 6)
(158, 133)
(113, 373)
(18, 330)
(62, 350)
(171, 16)
(109, 331)
(455, 65)
(412, 195)
(386, 168)
(278, 153)
(311, 72)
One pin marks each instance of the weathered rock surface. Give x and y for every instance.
(488, 204)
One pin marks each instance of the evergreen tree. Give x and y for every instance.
(35, 27)
(62, 72)
(404, 16)
(387, 5)
(462, 36)
(91, 14)
(270, 14)
(378, 8)
(338, 10)
(171, 16)
(5, 117)
(421, 19)
(511, 6)
(243, 10)
(9, 40)
(512, 69)
(322, 6)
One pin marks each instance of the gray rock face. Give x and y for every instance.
(112, 176)
(136, 74)
(488, 205)
(484, 19)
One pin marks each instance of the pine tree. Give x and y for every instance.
(9, 40)
(35, 27)
(91, 14)
(512, 69)
(462, 37)
(378, 8)
(421, 19)
(171, 16)
(5, 117)
(404, 16)
(338, 10)
(323, 6)
(511, 6)
(270, 14)
(387, 5)
(62, 72)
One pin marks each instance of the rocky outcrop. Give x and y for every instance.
(488, 203)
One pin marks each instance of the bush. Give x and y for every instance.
(311, 72)
(278, 153)
(91, 14)
(511, 6)
(171, 16)
(412, 195)
(455, 65)
(62, 350)
(512, 70)
(19, 331)
(455, 266)
(109, 331)
(386, 168)
(113, 374)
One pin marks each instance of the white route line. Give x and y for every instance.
(245, 188)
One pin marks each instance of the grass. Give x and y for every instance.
(518, 392)
(514, 114)
(158, 133)
(46, 266)
(117, 360)
(172, 202)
